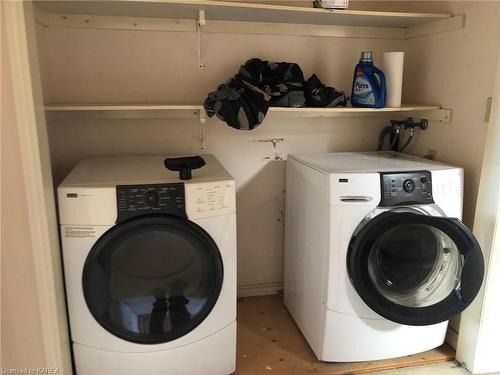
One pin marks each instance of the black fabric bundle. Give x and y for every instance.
(243, 101)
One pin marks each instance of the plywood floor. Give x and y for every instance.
(269, 342)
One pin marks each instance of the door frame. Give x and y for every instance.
(37, 174)
(477, 345)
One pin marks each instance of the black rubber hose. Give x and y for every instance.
(410, 137)
(395, 139)
(381, 137)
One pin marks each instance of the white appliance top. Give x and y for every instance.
(367, 162)
(137, 170)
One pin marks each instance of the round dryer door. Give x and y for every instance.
(152, 279)
(415, 269)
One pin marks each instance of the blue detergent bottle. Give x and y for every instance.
(368, 84)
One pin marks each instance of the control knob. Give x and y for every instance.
(408, 186)
(151, 198)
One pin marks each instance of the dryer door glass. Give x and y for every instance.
(415, 269)
(152, 279)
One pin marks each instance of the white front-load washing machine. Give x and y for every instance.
(150, 266)
(376, 258)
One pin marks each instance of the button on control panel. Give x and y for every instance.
(135, 200)
(406, 188)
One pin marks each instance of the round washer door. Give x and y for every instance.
(415, 269)
(152, 279)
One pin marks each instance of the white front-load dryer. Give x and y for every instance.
(376, 258)
(150, 267)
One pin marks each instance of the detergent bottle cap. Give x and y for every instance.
(366, 56)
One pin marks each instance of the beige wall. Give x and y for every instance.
(21, 333)
(106, 66)
(457, 70)
(127, 66)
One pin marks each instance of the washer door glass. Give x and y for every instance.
(415, 265)
(152, 279)
(415, 269)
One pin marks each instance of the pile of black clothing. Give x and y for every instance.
(243, 101)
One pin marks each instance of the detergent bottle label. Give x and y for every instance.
(363, 91)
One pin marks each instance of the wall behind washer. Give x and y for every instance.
(457, 70)
(110, 66)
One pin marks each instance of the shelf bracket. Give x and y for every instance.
(203, 120)
(201, 22)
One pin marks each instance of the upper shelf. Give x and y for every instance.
(431, 112)
(234, 17)
(234, 11)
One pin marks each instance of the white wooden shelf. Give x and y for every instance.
(234, 17)
(186, 111)
(60, 111)
(233, 11)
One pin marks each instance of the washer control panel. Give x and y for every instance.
(210, 198)
(406, 188)
(135, 200)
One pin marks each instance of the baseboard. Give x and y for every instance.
(260, 289)
(451, 337)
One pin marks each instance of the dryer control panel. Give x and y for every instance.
(400, 188)
(204, 199)
(135, 200)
